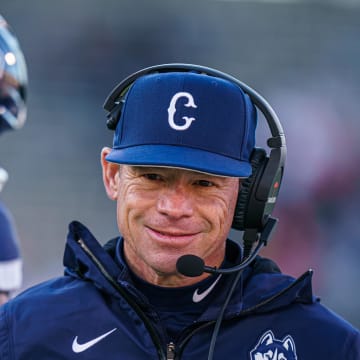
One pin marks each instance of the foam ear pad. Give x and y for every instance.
(258, 161)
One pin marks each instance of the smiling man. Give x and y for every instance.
(183, 170)
(164, 213)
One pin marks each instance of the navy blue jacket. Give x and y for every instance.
(95, 312)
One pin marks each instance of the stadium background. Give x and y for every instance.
(302, 56)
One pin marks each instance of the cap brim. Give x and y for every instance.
(180, 157)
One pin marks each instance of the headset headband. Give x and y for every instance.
(278, 138)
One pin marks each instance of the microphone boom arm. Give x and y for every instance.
(265, 237)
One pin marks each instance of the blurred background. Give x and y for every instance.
(302, 56)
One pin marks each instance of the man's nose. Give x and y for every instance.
(176, 201)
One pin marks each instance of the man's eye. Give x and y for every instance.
(204, 183)
(152, 177)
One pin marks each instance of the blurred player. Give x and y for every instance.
(13, 82)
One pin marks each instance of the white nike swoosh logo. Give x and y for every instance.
(78, 348)
(198, 297)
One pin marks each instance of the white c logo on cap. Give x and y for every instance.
(172, 110)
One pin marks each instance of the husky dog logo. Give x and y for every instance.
(270, 348)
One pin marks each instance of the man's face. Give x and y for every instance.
(164, 213)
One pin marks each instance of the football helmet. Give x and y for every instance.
(13, 80)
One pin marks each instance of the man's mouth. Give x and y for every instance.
(171, 235)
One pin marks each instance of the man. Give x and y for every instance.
(13, 83)
(183, 170)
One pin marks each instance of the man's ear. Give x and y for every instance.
(110, 172)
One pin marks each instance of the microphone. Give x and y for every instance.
(193, 266)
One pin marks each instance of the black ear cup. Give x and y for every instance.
(242, 218)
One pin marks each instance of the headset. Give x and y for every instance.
(258, 193)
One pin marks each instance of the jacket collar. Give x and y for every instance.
(261, 288)
(86, 259)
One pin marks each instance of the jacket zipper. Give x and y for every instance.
(170, 351)
(153, 334)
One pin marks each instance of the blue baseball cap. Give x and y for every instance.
(186, 120)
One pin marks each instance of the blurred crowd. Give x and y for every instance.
(318, 206)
